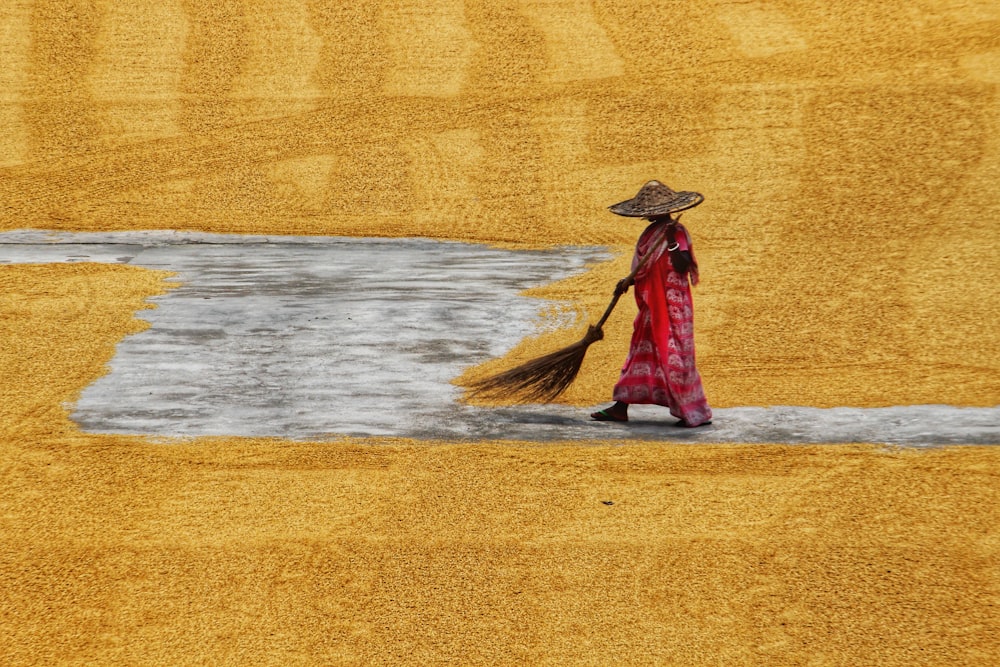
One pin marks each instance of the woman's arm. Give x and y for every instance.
(681, 259)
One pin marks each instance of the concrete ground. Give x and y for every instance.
(312, 337)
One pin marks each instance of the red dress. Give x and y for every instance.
(660, 366)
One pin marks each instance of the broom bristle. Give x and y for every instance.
(542, 379)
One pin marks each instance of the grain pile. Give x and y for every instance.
(849, 154)
(115, 550)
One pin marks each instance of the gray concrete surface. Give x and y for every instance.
(313, 337)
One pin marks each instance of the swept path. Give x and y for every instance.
(308, 338)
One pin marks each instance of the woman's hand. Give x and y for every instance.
(623, 285)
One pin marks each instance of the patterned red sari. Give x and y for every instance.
(660, 366)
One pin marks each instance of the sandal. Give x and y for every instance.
(605, 416)
(684, 424)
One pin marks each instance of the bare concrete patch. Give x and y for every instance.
(303, 337)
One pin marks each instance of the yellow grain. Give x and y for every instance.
(849, 153)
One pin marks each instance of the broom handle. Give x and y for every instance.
(642, 262)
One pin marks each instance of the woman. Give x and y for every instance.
(660, 366)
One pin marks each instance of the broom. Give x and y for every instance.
(543, 379)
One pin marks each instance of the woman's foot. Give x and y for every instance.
(616, 413)
(684, 424)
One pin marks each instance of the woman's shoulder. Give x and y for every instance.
(651, 227)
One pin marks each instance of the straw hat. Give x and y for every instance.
(655, 198)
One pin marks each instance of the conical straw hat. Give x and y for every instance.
(655, 198)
